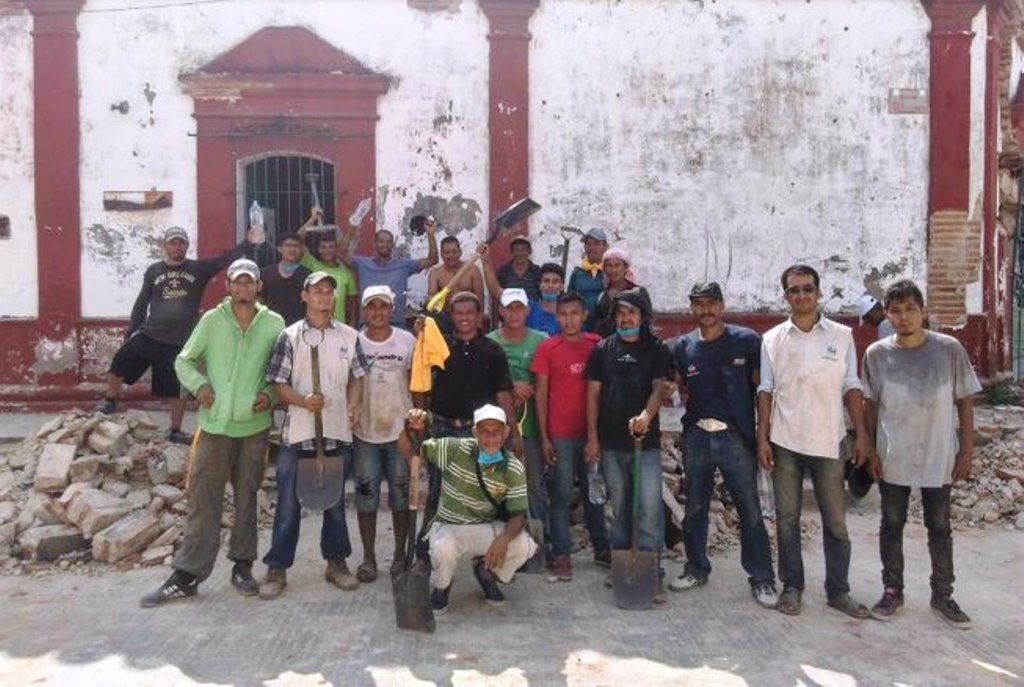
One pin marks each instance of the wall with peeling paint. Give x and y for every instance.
(975, 196)
(727, 140)
(432, 135)
(19, 297)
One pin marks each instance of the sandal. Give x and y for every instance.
(845, 604)
(367, 571)
(789, 601)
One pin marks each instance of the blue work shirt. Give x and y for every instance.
(394, 274)
(589, 288)
(542, 320)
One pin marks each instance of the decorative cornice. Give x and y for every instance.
(54, 16)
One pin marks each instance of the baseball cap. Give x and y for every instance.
(489, 412)
(595, 233)
(707, 289)
(510, 296)
(175, 233)
(865, 304)
(381, 291)
(243, 266)
(316, 277)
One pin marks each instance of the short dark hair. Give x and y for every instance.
(570, 297)
(463, 296)
(324, 237)
(281, 238)
(552, 268)
(799, 269)
(523, 240)
(450, 239)
(902, 290)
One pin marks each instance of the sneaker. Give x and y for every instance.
(180, 585)
(273, 584)
(439, 600)
(488, 583)
(107, 406)
(241, 579)
(891, 601)
(338, 574)
(561, 569)
(176, 436)
(950, 612)
(765, 595)
(687, 581)
(603, 558)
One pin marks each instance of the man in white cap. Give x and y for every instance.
(872, 313)
(341, 369)
(222, 364)
(386, 400)
(482, 511)
(165, 311)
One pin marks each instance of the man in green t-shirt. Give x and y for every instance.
(480, 481)
(328, 259)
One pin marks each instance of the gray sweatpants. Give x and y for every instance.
(217, 459)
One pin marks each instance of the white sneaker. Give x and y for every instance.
(687, 581)
(765, 594)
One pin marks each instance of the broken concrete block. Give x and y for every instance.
(169, 465)
(129, 535)
(117, 488)
(8, 534)
(40, 507)
(7, 482)
(51, 541)
(102, 518)
(122, 466)
(91, 501)
(169, 536)
(25, 520)
(156, 505)
(142, 425)
(139, 498)
(71, 492)
(155, 555)
(8, 511)
(51, 425)
(109, 437)
(54, 464)
(85, 468)
(168, 492)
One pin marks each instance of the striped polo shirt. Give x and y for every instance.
(462, 502)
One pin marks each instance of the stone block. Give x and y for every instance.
(117, 488)
(122, 466)
(8, 511)
(110, 438)
(101, 519)
(85, 468)
(54, 465)
(51, 425)
(142, 426)
(168, 492)
(169, 466)
(8, 534)
(155, 555)
(169, 536)
(86, 504)
(49, 542)
(7, 482)
(139, 498)
(129, 535)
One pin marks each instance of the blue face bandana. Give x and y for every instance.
(548, 296)
(486, 458)
(632, 331)
(288, 268)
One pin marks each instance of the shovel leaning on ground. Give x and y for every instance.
(635, 573)
(411, 585)
(321, 479)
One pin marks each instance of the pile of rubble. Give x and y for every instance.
(97, 487)
(994, 495)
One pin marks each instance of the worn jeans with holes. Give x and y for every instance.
(334, 541)
(940, 538)
(830, 492)
(372, 464)
(617, 467)
(725, 451)
(571, 464)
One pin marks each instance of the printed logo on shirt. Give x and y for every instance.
(739, 361)
(692, 371)
(577, 368)
(831, 353)
(626, 358)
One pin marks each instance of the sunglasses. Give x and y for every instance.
(796, 290)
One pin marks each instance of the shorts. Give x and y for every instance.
(140, 353)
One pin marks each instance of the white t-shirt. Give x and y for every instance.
(386, 395)
(916, 390)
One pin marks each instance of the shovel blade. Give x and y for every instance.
(634, 578)
(412, 601)
(318, 491)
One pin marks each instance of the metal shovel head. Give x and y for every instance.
(516, 212)
(320, 491)
(412, 599)
(634, 578)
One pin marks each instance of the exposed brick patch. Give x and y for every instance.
(954, 261)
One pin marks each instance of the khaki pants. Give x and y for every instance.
(449, 543)
(217, 459)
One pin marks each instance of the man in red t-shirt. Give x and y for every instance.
(561, 395)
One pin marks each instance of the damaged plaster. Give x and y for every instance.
(55, 356)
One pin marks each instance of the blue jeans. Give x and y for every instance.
(830, 492)
(334, 541)
(571, 464)
(618, 474)
(372, 463)
(725, 450)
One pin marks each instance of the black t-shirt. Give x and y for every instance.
(604, 313)
(476, 370)
(283, 295)
(627, 372)
(529, 282)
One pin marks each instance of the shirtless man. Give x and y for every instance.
(451, 261)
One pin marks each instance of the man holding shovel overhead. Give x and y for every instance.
(338, 375)
(233, 343)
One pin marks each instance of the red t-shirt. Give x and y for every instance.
(565, 362)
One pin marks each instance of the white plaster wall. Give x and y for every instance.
(727, 140)
(974, 293)
(19, 296)
(431, 139)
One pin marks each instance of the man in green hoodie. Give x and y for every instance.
(231, 344)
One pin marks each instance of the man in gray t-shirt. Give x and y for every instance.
(915, 384)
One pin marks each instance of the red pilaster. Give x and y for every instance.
(56, 131)
(991, 243)
(509, 107)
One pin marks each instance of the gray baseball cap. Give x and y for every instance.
(175, 233)
(243, 266)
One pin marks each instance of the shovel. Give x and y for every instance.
(635, 573)
(411, 585)
(321, 480)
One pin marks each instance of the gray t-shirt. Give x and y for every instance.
(916, 390)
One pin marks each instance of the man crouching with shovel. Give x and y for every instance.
(482, 509)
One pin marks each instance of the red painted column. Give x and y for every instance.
(509, 107)
(56, 131)
(991, 243)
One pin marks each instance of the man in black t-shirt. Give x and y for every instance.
(162, 319)
(283, 282)
(627, 374)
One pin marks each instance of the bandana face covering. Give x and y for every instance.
(548, 296)
(288, 268)
(485, 458)
(632, 331)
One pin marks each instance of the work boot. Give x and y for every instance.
(439, 600)
(241, 579)
(338, 574)
(273, 584)
(107, 406)
(488, 583)
(180, 585)
(888, 605)
(950, 611)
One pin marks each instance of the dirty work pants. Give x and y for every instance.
(940, 538)
(216, 459)
(617, 467)
(449, 543)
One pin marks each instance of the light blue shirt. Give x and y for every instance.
(394, 274)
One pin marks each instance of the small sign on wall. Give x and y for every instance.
(137, 201)
(903, 101)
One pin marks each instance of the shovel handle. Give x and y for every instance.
(318, 418)
(414, 480)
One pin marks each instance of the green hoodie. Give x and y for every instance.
(235, 363)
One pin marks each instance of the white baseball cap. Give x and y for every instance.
(489, 412)
(865, 304)
(381, 291)
(315, 278)
(243, 266)
(510, 296)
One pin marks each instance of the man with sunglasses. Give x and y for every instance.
(808, 372)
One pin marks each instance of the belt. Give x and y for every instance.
(710, 424)
(456, 422)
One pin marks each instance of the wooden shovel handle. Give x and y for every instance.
(414, 480)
